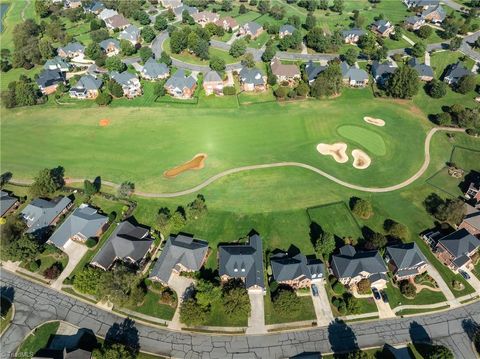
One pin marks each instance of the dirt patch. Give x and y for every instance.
(374, 121)
(338, 151)
(196, 163)
(104, 122)
(360, 159)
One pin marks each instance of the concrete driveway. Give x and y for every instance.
(256, 321)
(473, 281)
(442, 285)
(181, 286)
(75, 252)
(323, 310)
(384, 310)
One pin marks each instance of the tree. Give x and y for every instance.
(197, 207)
(162, 220)
(408, 289)
(53, 271)
(338, 6)
(302, 89)
(466, 84)
(236, 302)
(96, 24)
(11, 230)
(376, 241)
(114, 63)
(159, 89)
(362, 208)
(368, 44)
(242, 9)
(269, 53)
(42, 8)
(187, 18)
(310, 21)
(238, 48)
(263, 6)
(455, 43)
(165, 58)
(217, 63)
(325, 245)
(364, 286)
(329, 82)
(113, 351)
(281, 91)
(351, 55)
(142, 17)
(126, 47)
(403, 83)
(89, 188)
(425, 32)
(99, 35)
(148, 34)
(116, 90)
(295, 21)
(145, 53)
(46, 49)
(436, 88)
(161, 23)
(94, 51)
(103, 99)
(418, 49)
(116, 285)
(396, 229)
(24, 249)
(207, 293)
(248, 61)
(286, 302)
(47, 182)
(191, 313)
(452, 211)
(443, 119)
(438, 352)
(351, 303)
(277, 12)
(177, 222)
(226, 5)
(126, 189)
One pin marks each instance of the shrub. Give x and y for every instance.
(363, 286)
(339, 303)
(338, 287)
(103, 99)
(473, 132)
(362, 208)
(167, 297)
(53, 271)
(91, 242)
(436, 88)
(457, 285)
(34, 266)
(112, 216)
(229, 90)
(408, 289)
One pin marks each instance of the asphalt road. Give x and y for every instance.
(35, 304)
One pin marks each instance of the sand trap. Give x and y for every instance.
(360, 159)
(374, 121)
(104, 122)
(338, 151)
(196, 163)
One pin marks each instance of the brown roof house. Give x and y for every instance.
(282, 72)
(456, 249)
(471, 222)
(383, 28)
(117, 22)
(181, 86)
(253, 29)
(435, 14)
(228, 23)
(213, 83)
(205, 17)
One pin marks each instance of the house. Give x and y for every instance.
(414, 22)
(244, 261)
(455, 73)
(41, 213)
(252, 29)
(423, 4)
(106, 13)
(471, 222)
(72, 4)
(171, 4)
(95, 7)
(181, 86)
(128, 243)
(382, 71)
(425, 72)
(72, 49)
(57, 63)
(286, 30)
(205, 17)
(48, 81)
(456, 249)
(130, 83)
(62, 354)
(383, 28)
(85, 222)
(131, 34)
(117, 22)
(405, 260)
(153, 70)
(213, 83)
(295, 271)
(351, 266)
(353, 76)
(351, 36)
(87, 87)
(8, 203)
(434, 14)
(252, 79)
(110, 46)
(181, 253)
(178, 11)
(313, 70)
(228, 23)
(473, 193)
(284, 72)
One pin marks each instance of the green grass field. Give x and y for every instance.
(38, 339)
(369, 139)
(395, 298)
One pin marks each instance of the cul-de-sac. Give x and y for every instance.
(240, 179)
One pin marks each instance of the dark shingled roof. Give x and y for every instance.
(285, 267)
(459, 244)
(422, 69)
(107, 42)
(6, 202)
(251, 76)
(50, 77)
(456, 72)
(313, 70)
(287, 28)
(153, 69)
(406, 256)
(179, 80)
(349, 263)
(357, 32)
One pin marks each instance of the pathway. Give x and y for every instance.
(256, 321)
(407, 39)
(27, 4)
(433, 272)
(455, 6)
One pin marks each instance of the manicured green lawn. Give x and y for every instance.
(11, 18)
(38, 339)
(371, 140)
(151, 306)
(192, 59)
(395, 298)
(305, 311)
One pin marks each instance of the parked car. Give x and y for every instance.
(384, 296)
(314, 290)
(376, 294)
(464, 274)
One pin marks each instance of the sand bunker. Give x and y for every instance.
(374, 121)
(104, 122)
(338, 151)
(360, 159)
(196, 163)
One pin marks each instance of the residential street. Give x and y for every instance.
(36, 304)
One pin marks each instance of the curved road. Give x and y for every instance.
(225, 173)
(36, 304)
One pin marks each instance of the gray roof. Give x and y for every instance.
(123, 78)
(88, 82)
(424, 2)
(95, 6)
(154, 69)
(313, 70)
(438, 9)
(285, 267)
(40, 213)
(460, 243)
(252, 27)
(106, 43)
(406, 256)
(56, 63)
(130, 33)
(457, 71)
(382, 25)
(180, 81)
(355, 32)
(413, 19)
(243, 261)
(349, 264)
(50, 77)
(126, 241)
(180, 9)
(73, 47)
(212, 76)
(472, 216)
(6, 202)
(85, 222)
(353, 73)
(251, 76)
(287, 29)
(180, 249)
(382, 70)
(422, 69)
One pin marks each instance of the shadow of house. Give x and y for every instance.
(307, 355)
(7, 292)
(315, 232)
(472, 329)
(341, 337)
(124, 333)
(418, 334)
(77, 346)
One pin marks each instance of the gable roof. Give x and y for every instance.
(107, 13)
(354, 32)
(126, 241)
(472, 216)
(130, 33)
(72, 47)
(40, 213)
(353, 73)
(382, 25)
(287, 28)
(108, 42)
(422, 69)
(207, 16)
(95, 6)
(457, 71)
(85, 221)
(313, 70)
(406, 255)
(460, 243)
(50, 77)
(243, 261)
(212, 76)
(412, 20)
(279, 69)
(180, 80)
(382, 69)
(123, 78)
(117, 21)
(346, 265)
(251, 76)
(180, 249)
(439, 10)
(252, 27)
(88, 82)
(56, 63)
(154, 69)
(285, 267)
(6, 202)
(180, 9)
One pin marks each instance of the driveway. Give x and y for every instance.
(384, 310)
(442, 285)
(473, 281)
(256, 322)
(323, 310)
(75, 252)
(181, 286)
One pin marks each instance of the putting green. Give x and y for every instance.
(368, 139)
